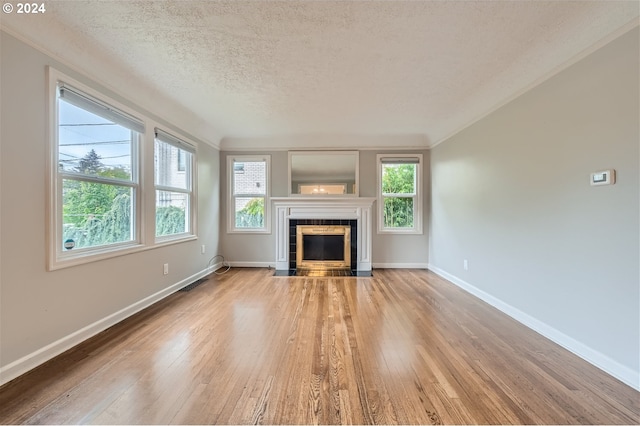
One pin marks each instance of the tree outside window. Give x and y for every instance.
(398, 188)
(399, 193)
(97, 172)
(96, 213)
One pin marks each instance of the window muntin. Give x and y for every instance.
(249, 192)
(174, 187)
(96, 169)
(399, 193)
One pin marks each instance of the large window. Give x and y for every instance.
(109, 175)
(94, 173)
(399, 193)
(174, 182)
(248, 193)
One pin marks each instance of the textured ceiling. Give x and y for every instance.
(242, 71)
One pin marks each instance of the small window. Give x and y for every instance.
(249, 194)
(174, 161)
(399, 193)
(94, 176)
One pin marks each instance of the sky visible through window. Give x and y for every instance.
(81, 131)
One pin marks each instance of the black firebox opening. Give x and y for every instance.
(293, 223)
(323, 247)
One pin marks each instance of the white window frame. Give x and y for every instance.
(57, 256)
(190, 173)
(231, 213)
(417, 196)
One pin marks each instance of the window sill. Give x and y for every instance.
(249, 231)
(398, 231)
(67, 261)
(174, 239)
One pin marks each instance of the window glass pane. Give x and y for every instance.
(398, 212)
(168, 171)
(95, 214)
(251, 178)
(398, 178)
(92, 145)
(249, 212)
(172, 211)
(182, 161)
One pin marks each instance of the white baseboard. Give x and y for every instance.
(34, 359)
(242, 264)
(594, 357)
(245, 264)
(400, 265)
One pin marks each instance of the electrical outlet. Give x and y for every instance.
(465, 264)
(202, 249)
(165, 268)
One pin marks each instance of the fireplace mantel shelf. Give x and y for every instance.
(358, 208)
(339, 199)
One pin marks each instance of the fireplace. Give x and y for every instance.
(328, 253)
(322, 247)
(349, 212)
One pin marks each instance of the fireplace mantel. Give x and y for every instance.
(358, 208)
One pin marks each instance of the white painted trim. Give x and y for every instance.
(249, 264)
(231, 197)
(393, 265)
(417, 198)
(332, 142)
(145, 238)
(44, 354)
(335, 207)
(592, 356)
(364, 238)
(257, 144)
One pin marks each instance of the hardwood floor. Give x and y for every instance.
(401, 347)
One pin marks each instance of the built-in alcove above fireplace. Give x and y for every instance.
(353, 213)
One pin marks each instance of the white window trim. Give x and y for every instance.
(417, 206)
(191, 172)
(231, 214)
(144, 207)
(57, 257)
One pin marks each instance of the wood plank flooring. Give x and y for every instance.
(401, 347)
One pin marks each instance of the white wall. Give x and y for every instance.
(42, 313)
(511, 195)
(388, 250)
